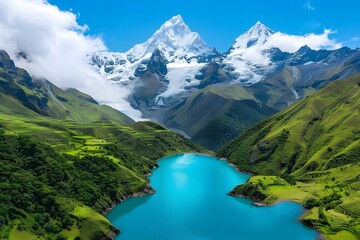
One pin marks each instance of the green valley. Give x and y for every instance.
(308, 153)
(65, 159)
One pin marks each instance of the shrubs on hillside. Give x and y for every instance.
(33, 177)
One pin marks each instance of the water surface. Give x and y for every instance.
(191, 204)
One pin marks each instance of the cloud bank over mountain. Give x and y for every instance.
(56, 47)
(292, 43)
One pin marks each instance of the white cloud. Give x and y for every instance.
(291, 43)
(285, 42)
(309, 6)
(56, 46)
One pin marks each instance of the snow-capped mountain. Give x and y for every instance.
(175, 63)
(247, 59)
(175, 40)
(184, 53)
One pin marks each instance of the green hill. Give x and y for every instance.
(64, 159)
(314, 145)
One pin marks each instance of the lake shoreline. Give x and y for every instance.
(149, 190)
(114, 232)
(258, 203)
(262, 204)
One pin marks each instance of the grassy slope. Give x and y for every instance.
(133, 149)
(317, 143)
(84, 108)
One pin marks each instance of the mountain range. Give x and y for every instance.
(177, 80)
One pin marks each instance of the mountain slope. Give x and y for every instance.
(315, 142)
(328, 118)
(216, 114)
(20, 93)
(305, 72)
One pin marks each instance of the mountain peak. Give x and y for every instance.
(259, 24)
(256, 35)
(304, 48)
(259, 29)
(176, 20)
(5, 60)
(174, 39)
(174, 26)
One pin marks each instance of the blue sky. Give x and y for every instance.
(123, 23)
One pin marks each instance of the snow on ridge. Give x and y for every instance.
(247, 58)
(175, 39)
(180, 76)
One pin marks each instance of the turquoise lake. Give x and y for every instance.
(191, 203)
